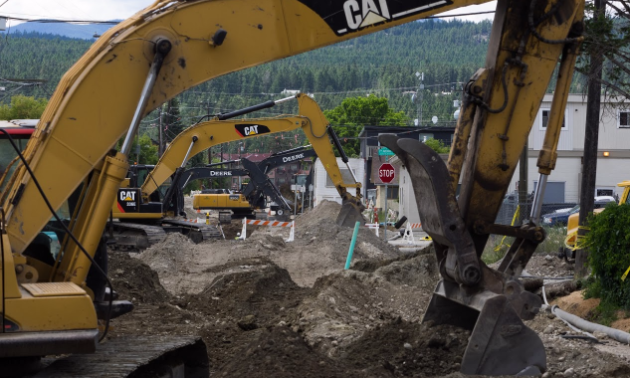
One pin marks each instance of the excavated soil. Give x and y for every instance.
(268, 308)
(320, 248)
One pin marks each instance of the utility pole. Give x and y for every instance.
(591, 136)
(419, 95)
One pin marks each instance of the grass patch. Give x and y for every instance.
(554, 240)
(605, 313)
(495, 250)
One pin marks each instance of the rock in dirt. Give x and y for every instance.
(247, 323)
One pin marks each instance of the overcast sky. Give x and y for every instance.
(121, 9)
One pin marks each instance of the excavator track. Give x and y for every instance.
(134, 237)
(136, 357)
(197, 232)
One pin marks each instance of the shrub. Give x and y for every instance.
(609, 245)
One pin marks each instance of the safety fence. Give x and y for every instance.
(267, 223)
(408, 234)
(373, 226)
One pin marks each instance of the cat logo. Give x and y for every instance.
(247, 130)
(353, 15)
(362, 13)
(127, 196)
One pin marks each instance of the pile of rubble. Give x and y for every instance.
(265, 307)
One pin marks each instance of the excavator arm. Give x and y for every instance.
(529, 41)
(95, 102)
(265, 166)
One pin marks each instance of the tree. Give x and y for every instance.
(607, 37)
(172, 120)
(355, 112)
(23, 107)
(437, 146)
(604, 63)
(148, 150)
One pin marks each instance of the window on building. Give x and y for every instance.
(544, 119)
(392, 192)
(282, 180)
(623, 120)
(294, 168)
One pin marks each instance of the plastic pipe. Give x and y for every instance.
(621, 336)
(355, 233)
(576, 321)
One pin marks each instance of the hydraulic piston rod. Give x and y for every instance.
(162, 48)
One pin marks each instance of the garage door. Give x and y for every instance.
(554, 192)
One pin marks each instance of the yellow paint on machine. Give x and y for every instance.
(220, 202)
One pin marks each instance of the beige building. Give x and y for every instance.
(613, 165)
(614, 141)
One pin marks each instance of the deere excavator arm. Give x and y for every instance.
(95, 102)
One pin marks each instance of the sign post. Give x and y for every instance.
(386, 174)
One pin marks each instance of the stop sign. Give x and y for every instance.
(386, 173)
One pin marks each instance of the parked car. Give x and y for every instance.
(561, 218)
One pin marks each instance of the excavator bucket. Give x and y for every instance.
(350, 214)
(470, 295)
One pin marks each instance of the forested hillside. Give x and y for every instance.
(383, 64)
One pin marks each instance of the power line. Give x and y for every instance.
(462, 14)
(5, 1)
(60, 21)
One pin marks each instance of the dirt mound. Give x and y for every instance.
(400, 348)
(168, 254)
(255, 289)
(318, 226)
(134, 280)
(279, 352)
(320, 248)
(325, 210)
(346, 305)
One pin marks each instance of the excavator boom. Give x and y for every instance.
(95, 101)
(500, 103)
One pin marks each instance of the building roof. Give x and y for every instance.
(403, 129)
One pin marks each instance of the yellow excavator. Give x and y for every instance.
(71, 172)
(138, 204)
(311, 121)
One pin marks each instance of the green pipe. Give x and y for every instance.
(352, 243)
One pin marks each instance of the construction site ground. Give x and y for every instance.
(268, 308)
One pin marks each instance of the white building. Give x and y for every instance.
(613, 163)
(323, 186)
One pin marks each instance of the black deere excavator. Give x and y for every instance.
(256, 194)
(172, 46)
